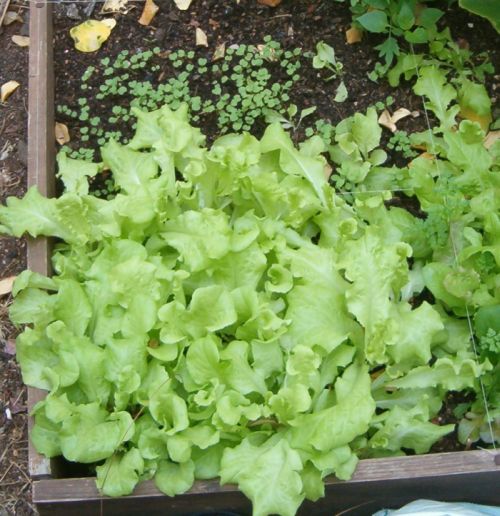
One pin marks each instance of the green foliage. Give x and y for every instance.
(221, 314)
(325, 58)
(287, 120)
(400, 142)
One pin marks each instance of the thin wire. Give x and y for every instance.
(374, 191)
(455, 256)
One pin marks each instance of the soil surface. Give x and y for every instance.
(15, 484)
(295, 23)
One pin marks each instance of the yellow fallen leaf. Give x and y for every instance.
(201, 38)
(91, 34)
(7, 89)
(269, 3)
(220, 51)
(149, 12)
(491, 138)
(6, 285)
(21, 41)
(114, 6)
(389, 121)
(183, 5)
(61, 133)
(11, 17)
(353, 35)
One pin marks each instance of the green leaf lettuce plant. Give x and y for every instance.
(227, 314)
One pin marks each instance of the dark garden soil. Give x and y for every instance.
(295, 23)
(15, 484)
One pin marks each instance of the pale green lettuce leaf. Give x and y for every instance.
(268, 473)
(338, 425)
(74, 173)
(173, 479)
(120, 473)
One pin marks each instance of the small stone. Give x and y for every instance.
(72, 12)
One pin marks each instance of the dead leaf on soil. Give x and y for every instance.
(183, 5)
(491, 138)
(7, 89)
(11, 17)
(201, 38)
(21, 41)
(220, 51)
(389, 121)
(62, 133)
(91, 34)
(6, 285)
(149, 12)
(353, 35)
(115, 6)
(269, 3)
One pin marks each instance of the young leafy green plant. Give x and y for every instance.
(325, 58)
(287, 122)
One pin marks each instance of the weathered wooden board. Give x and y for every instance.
(41, 154)
(377, 483)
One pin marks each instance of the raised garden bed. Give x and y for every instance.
(472, 475)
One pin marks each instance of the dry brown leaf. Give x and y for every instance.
(11, 17)
(6, 285)
(399, 114)
(220, 51)
(353, 35)
(389, 121)
(61, 133)
(114, 6)
(7, 89)
(491, 138)
(385, 120)
(269, 3)
(149, 12)
(201, 38)
(183, 5)
(91, 34)
(21, 41)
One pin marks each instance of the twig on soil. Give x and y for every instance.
(278, 16)
(22, 472)
(6, 472)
